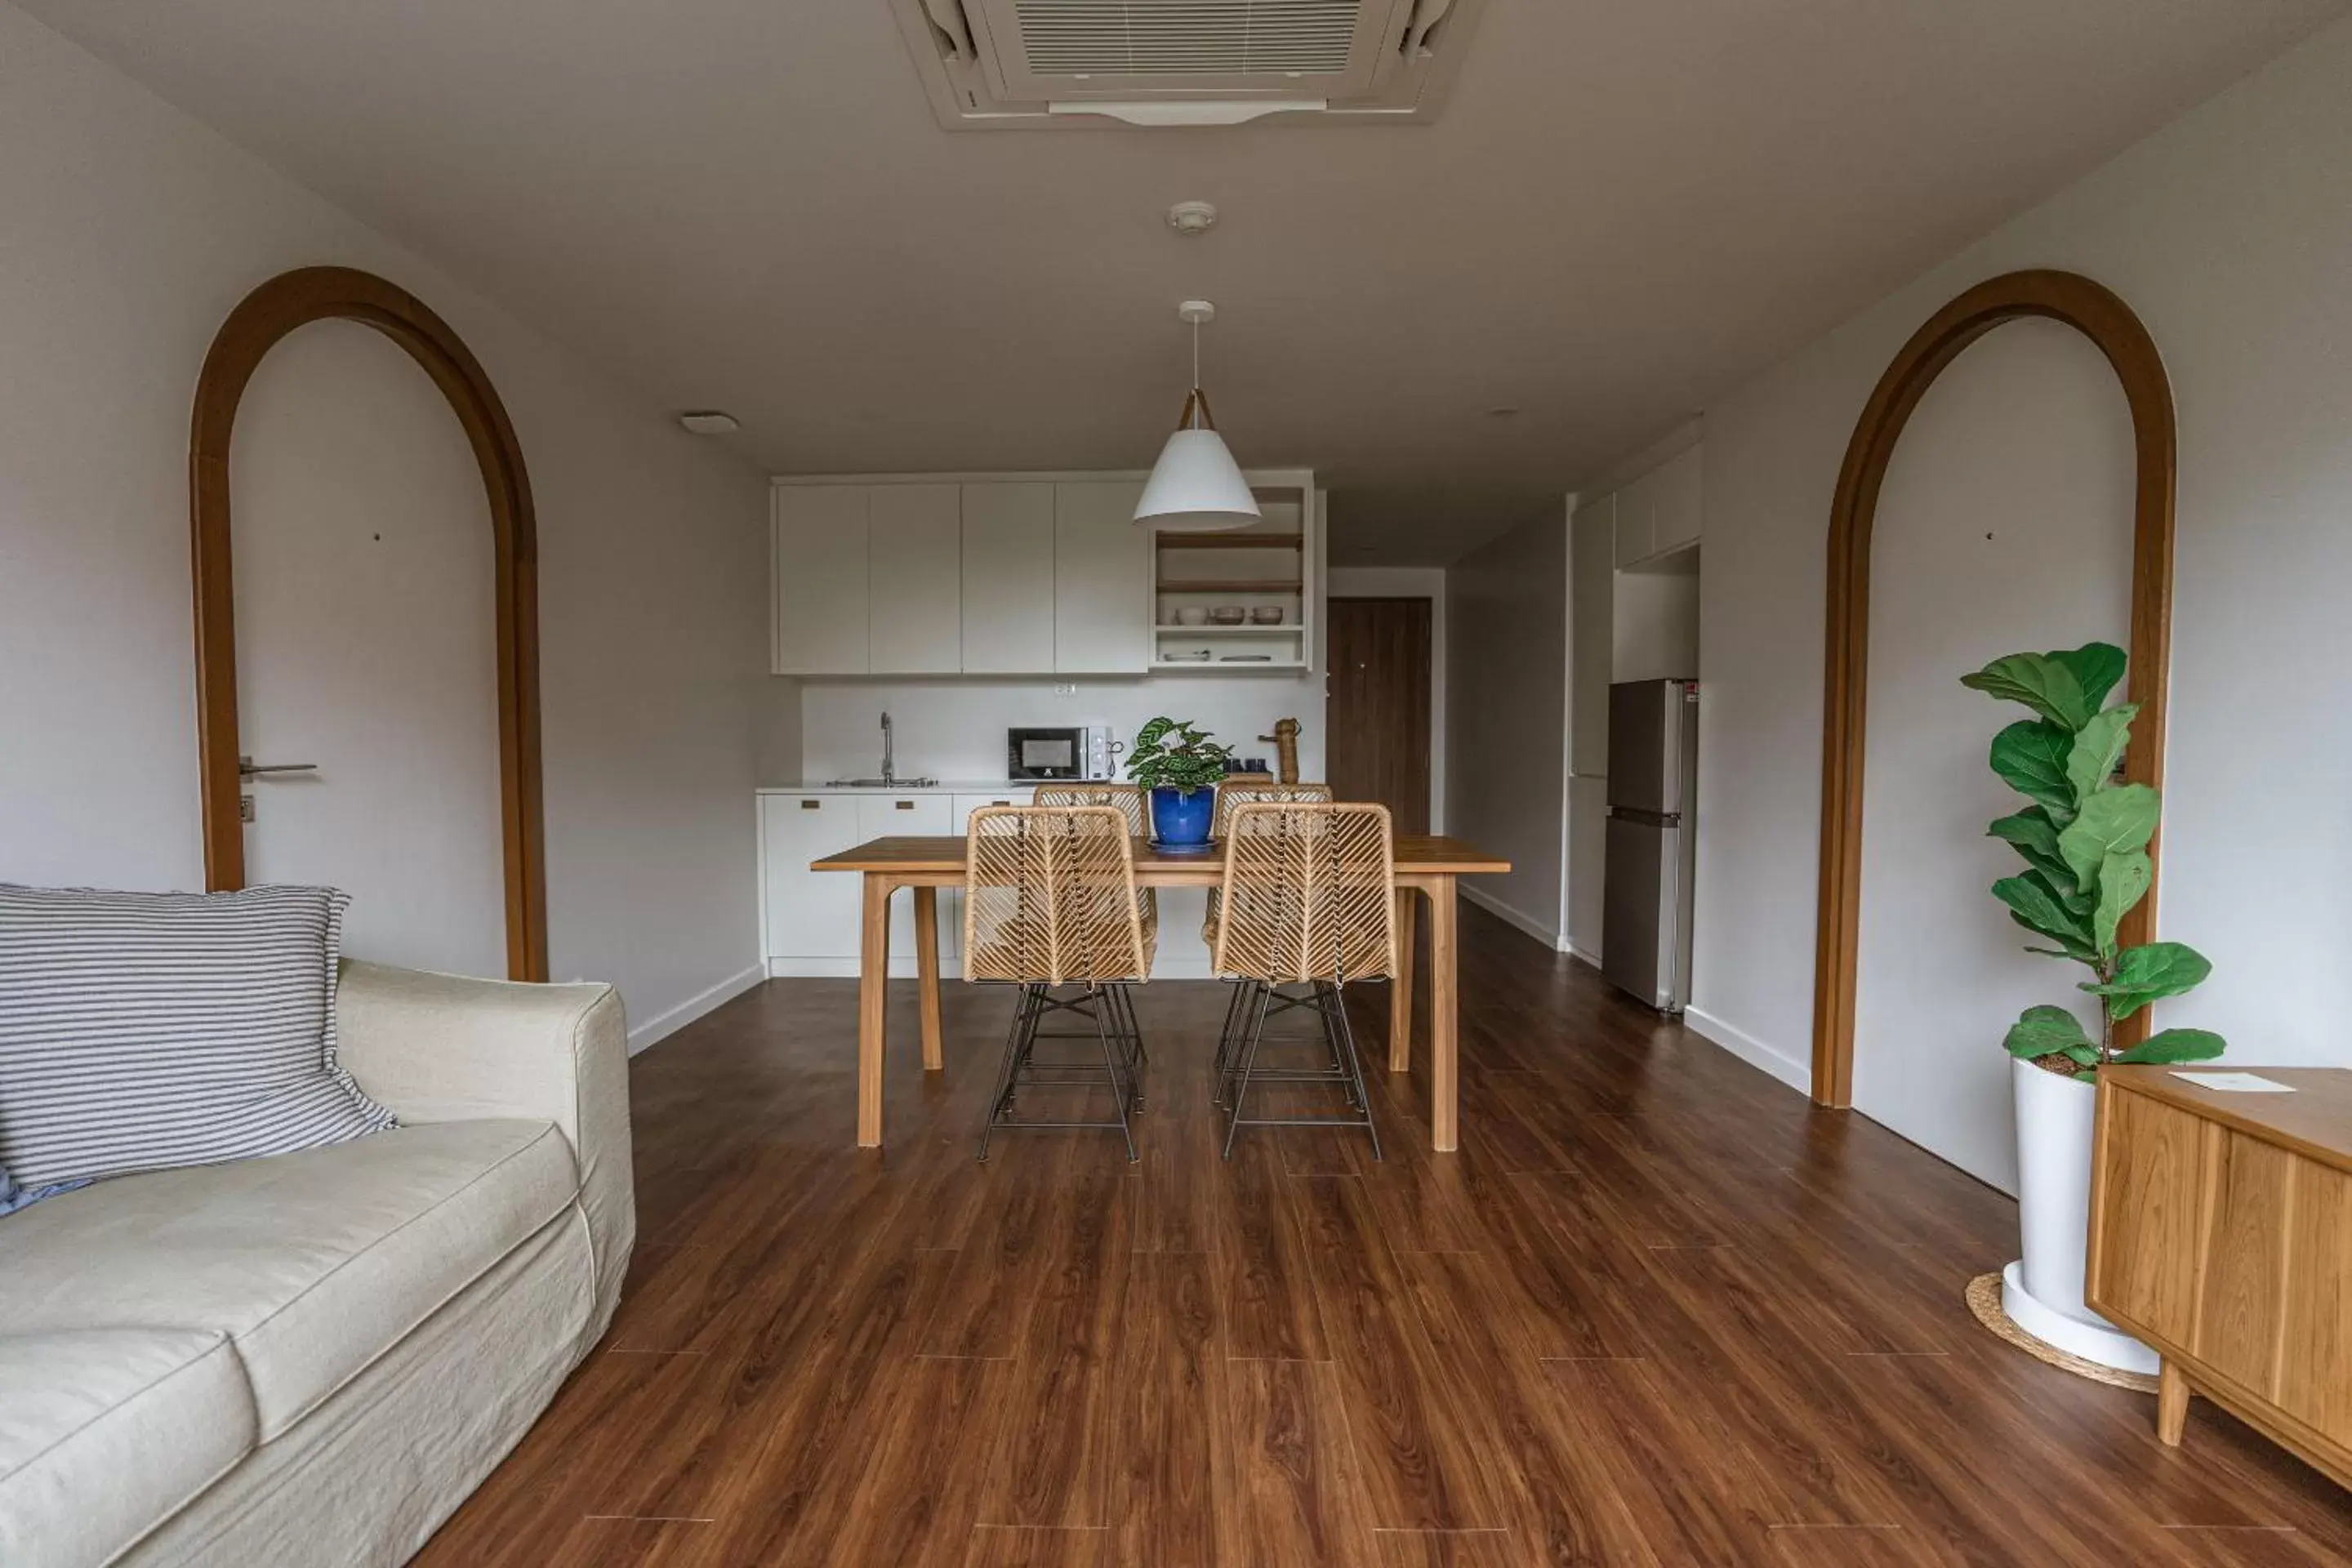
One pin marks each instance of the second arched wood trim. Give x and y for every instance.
(295, 300)
(2095, 312)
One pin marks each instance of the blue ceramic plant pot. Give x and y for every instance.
(1179, 820)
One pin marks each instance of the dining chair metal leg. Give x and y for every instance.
(1017, 1042)
(1256, 1027)
(1120, 1000)
(1327, 1004)
(1122, 1090)
(1226, 1031)
(1355, 1063)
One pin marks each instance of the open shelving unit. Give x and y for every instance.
(1270, 564)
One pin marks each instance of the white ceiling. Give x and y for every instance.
(1628, 206)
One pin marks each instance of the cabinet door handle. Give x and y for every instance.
(812, 806)
(904, 804)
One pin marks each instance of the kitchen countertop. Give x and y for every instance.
(945, 786)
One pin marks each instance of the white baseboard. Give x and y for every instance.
(671, 1020)
(1526, 922)
(1162, 968)
(1797, 1075)
(1574, 951)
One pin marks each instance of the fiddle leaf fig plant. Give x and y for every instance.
(1169, 754)
(2084, 838)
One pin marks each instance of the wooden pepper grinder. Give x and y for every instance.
(1285, 746)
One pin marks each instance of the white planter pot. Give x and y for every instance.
(2042, 1291)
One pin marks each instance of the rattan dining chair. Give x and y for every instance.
(1050, 904)
(1308, 899)
(1128, 797)
(1131, 799)
(1231, 796)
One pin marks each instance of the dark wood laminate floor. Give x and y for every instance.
(1657, 1311)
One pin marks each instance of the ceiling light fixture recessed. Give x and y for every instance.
(710, 422)
(1196, 484)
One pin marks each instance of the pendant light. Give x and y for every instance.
(1196, 484)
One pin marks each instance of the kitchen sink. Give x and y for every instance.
(881, 784)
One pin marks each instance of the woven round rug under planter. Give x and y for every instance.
(1984, 1301)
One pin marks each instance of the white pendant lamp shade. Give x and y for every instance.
(1196, 485)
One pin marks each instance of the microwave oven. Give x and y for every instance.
(1061, 751)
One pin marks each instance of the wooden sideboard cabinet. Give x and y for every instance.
(2221, 1235)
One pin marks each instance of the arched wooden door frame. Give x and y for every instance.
(266, 316)
(2099, 315)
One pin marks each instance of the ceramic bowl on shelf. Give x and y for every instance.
(1228, 616)
(1192, 616)
(1266, 615)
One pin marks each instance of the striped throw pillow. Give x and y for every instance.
(141, 1031)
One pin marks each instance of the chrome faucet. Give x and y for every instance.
(889, 775)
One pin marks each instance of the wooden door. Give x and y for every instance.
(1378, 746)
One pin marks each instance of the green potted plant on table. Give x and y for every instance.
(2083, 837)
(1182, 767)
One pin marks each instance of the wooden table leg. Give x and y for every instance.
(1400, 988)
(1444, 1065)
(873, 989)
(2171, 1403)
(927, 973)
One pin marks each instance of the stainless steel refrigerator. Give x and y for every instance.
(1647, 879)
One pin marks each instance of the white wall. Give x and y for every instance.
(2229, 233)
(1412, 582)
(131, 232)
(2005, 523)
(1507, 714)
(366, 645)
(953, 728)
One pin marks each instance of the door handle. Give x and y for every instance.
(246, 767)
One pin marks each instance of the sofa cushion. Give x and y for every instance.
(312, 1263)
(143, 1031)
(105, 1432)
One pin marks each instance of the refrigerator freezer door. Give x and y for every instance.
(1646, 743)
(1641, 942)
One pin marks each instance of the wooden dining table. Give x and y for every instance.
(1427, 864)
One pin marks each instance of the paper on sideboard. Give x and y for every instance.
(2235, 1082)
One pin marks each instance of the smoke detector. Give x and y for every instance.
(1191, 217)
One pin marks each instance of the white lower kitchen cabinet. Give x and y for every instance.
(805, 914)
(891, 816)
(813, 918)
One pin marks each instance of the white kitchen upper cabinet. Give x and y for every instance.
(1676, 519)
(1008, 578)
(1592, 582)
(914, 556)
(1636, 507)
(809, 914)
(818, 559)
(1102, 580)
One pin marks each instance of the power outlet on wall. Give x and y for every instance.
(1065, 688)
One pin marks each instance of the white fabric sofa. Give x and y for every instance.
(313, 1358)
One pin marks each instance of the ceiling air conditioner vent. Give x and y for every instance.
(1031, 63)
